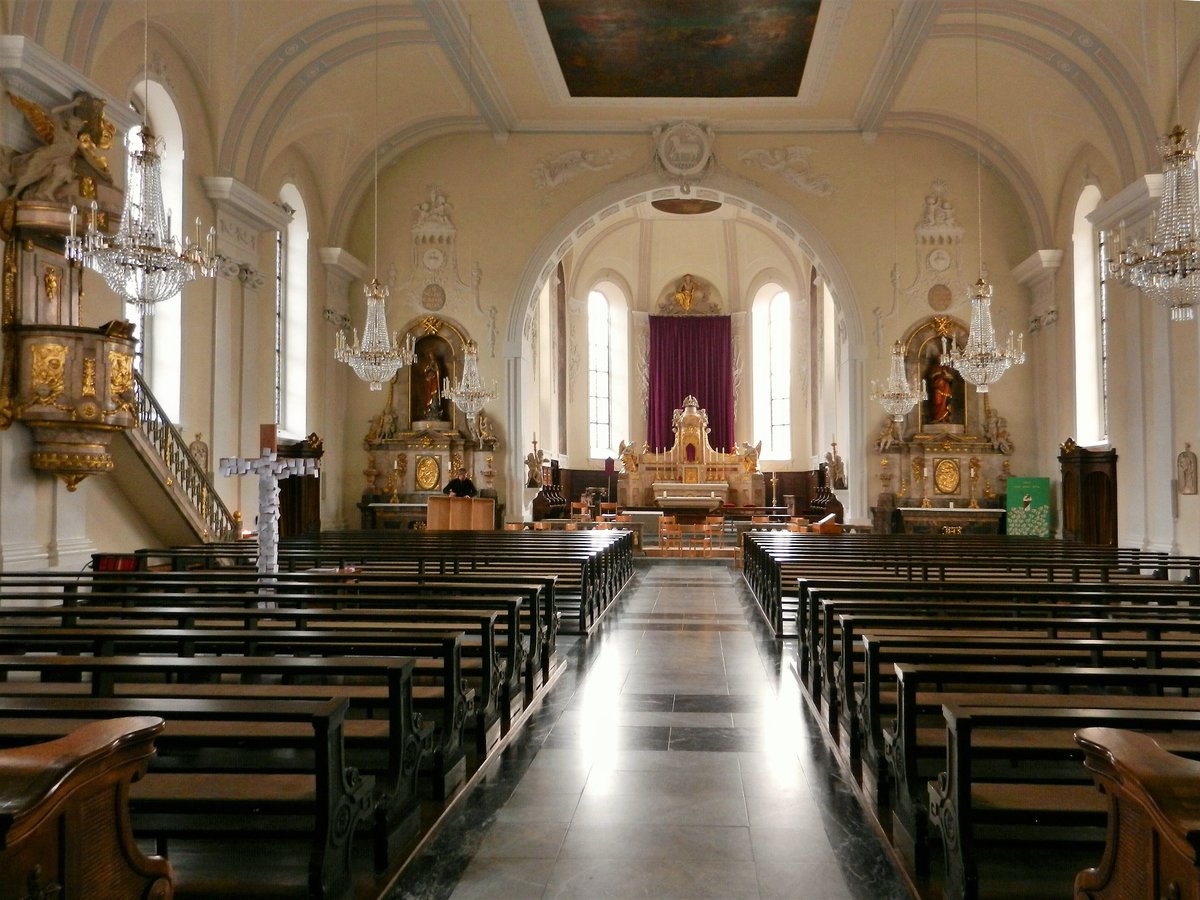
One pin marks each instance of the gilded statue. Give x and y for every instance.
(71, 134)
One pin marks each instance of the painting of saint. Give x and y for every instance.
(945, 396)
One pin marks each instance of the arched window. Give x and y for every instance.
(608, 383)
(1090, 388)
(772, 332)
(161, 334)
(291, 325)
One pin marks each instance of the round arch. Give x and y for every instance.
(790, 224)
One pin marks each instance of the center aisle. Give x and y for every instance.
(671, 759)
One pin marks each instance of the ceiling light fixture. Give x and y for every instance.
(142, 262)
(982, 361)
(378, 356)
(1166, 267)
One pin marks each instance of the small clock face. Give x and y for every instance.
(939, 260)
(433, 258)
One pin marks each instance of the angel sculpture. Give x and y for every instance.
(72, 133)
(533, 469)
(748, 455)
(630, 454)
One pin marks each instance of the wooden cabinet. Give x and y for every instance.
(300, 495)
(1089, 494)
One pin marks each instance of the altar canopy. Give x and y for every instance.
(691, 356)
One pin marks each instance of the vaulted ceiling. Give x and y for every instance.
(1057, 78)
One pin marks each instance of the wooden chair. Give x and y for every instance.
(609, 509)
(514, 526)
(580, 510)
(760, 519)
(714, 530)
(541, 526)
(671, 536)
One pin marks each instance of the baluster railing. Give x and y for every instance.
(185, 473)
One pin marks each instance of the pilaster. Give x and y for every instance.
(341, 270)
(243, 321)
(1038, 274)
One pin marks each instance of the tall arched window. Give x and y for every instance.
(1090, 390)
(291, 328)
(161, 334)
(772, 331)
(608, 381)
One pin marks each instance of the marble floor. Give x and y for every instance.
(672, 758)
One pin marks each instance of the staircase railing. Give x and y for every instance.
(184, 473)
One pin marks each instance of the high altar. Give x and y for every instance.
(690, 475)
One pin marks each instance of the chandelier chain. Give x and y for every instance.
(982, 362)
(380, 354)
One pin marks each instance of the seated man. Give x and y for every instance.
(460, 485)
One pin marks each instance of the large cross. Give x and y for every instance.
(269, 469)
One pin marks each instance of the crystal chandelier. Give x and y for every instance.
(378, 357)
(142, 262)
(1167, 267)
(982, 361)
(900, 395)
(470, 394)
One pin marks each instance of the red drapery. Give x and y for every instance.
(691, 355)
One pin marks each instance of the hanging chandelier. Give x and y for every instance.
(142, 262)
(900, 395)
(378, 357)
(982, 362)
(470, 394)
(1167, 266)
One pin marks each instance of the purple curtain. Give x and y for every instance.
(691, 355)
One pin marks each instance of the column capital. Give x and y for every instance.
(1134, 203)
(242, 215)
(1037, 272)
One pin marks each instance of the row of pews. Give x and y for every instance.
(962, 681)
(327, 712)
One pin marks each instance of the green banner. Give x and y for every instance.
(1029, 507)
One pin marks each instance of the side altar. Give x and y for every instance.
(416, 443)
(690, 475)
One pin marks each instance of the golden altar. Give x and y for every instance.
(690, 474)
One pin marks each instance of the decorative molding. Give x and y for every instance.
(333, 317)
(683, 152)
(1037, 273)
(232, 196)
(251, 278)
(792, 164)
(34, 73)
(1133, 204)
(554, 171)
(341, 262)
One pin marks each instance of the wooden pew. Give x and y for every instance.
(437, 655)
(1153, 830)
(539, 616)
(915, 746)
(493, 667)
(881, 651)
(326, 804)
(384, 703)
(965, 799)
(64, 826)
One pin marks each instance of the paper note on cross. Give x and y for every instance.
(269, 469)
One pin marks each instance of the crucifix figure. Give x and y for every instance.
(269, 469)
